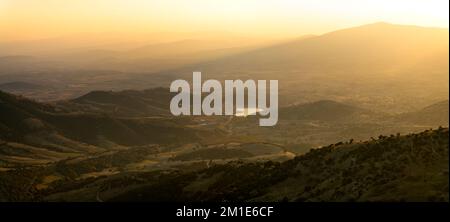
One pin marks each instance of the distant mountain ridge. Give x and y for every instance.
(408, 64)
(379, 45)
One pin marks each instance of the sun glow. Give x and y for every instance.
(45, 18)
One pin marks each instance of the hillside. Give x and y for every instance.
(17, 111)
(435, 114)
(128, 103)
(80, 150)
(311, 124)
(392, 168)
(31, 130)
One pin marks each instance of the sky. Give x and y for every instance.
(34, 19)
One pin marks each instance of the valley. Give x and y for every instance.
(61, 154)
(362, 116)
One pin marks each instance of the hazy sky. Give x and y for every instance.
(29, 19)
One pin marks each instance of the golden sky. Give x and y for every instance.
(31, 19)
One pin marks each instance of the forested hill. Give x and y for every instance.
(412, 167)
